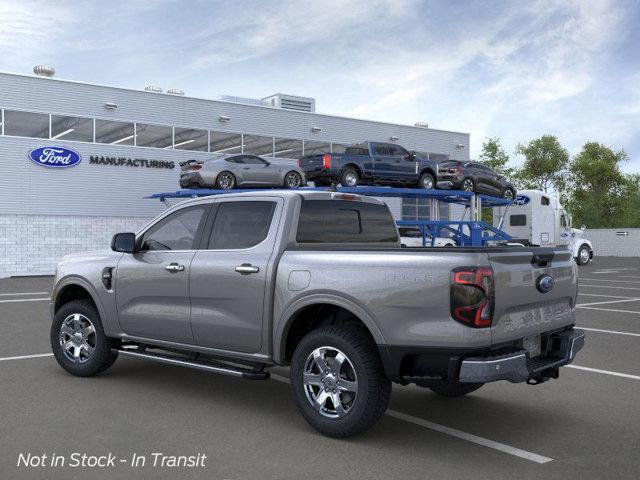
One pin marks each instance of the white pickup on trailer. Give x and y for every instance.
(537, 218)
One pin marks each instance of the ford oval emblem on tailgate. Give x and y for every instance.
(57, 157)
(545, 283)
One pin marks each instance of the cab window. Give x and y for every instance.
(240, 225)
(177, 231)
(544, 200)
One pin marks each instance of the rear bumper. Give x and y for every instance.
(449, 184)
(320, 174)
(424, 366)
(517, 367)
(192, 180)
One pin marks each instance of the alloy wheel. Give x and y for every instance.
(427, 182)
(351, 179)
(226, 181)
(467, 185)
(77, 338)
(508, 194)
(330, 382)
(293, 180)
(584, 255)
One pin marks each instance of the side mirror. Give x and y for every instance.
(267, 164)
(583, 227)
(124, 242)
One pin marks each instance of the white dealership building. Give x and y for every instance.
(128, 143)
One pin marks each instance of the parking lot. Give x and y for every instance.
(585, 425)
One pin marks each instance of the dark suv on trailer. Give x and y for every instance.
(371, 163)
(474, 177)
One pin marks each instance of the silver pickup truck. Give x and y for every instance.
(237, 283)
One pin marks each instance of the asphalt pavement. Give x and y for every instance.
(584, 425)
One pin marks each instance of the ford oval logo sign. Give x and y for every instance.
(545, 283)
(56, 157)
(521, 200)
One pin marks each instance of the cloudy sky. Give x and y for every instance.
(515, 70)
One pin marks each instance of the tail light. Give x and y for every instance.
(196, 167)
(472, 296)
(326, 161)
(299, 162)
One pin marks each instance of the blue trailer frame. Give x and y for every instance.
(465, 233)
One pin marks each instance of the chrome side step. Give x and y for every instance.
(230, 370)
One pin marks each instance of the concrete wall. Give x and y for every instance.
(609, 242)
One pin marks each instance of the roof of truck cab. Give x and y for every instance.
(305, 194)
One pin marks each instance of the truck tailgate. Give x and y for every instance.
(521, 308)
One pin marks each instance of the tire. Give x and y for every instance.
(455, 390)
(292, 180)
(508, 194)
(584, 255)
(85, 363)
(225, 180)
(361, 370)
(427, 182)
(468, 185)
(349, 178)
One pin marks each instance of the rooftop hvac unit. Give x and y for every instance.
(292, 102)
(44, 71)
(175, 91)
(153, 88)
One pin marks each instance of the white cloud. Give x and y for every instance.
(30, 30)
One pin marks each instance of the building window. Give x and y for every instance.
(287, 148)
(114, 133)
(157, 136)
(258, 145)
(316, 148)
(420, 209)
(224, 142)
(72, 128)
(190, 139)
(26, 124)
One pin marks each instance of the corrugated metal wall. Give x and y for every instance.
(100, 190)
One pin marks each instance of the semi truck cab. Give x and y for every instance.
(538, 219)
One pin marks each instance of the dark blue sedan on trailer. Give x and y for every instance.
(371, 163)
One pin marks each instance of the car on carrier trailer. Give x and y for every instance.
(371, 163)
(237, 283)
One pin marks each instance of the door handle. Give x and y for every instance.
(174, 267)
(246, 269)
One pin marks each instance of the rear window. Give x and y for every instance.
(360, 149)
(341, 221)
(517, 220)
(544, 200)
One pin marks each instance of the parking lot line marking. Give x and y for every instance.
(469, 437)
(601, 295)
(23, 357)
(485, 442)
(610, 331)
(607, 280)
(610, 286)
(633, 299)
(23, 293)
(16, 300)
(606, 372)
(608, 309)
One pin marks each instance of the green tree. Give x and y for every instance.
(631, 199)
(600, 193)
(495, 157)
(545, 164)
